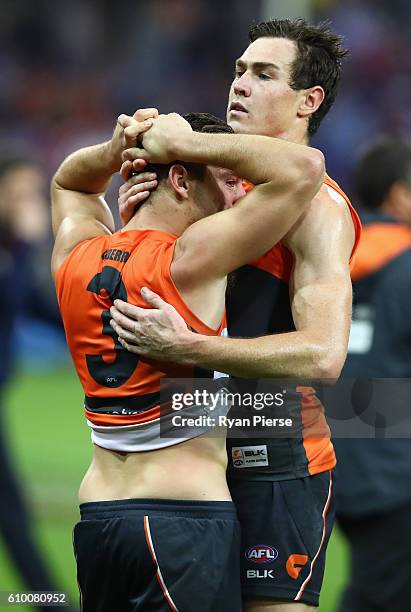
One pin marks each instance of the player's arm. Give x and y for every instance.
(322, 242)
(321, 297)
(79, 210)
(286, 177)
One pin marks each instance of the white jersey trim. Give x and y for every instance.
(141, 437)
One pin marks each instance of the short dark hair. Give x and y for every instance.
(318, 60)
(384, 162)
(200, 122)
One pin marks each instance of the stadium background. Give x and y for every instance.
(67, 69)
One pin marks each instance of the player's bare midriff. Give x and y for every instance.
(194, 470)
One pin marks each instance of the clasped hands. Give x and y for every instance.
(147, 137)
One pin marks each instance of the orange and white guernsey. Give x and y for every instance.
(122, 390)
(257, 305)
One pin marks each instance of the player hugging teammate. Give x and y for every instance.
(156, 512)
(289, 315)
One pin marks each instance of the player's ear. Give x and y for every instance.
(311, 101)
(178, 177)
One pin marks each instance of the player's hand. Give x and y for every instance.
(135, 190)
(161, 141)
(158, 332)
(127, 132)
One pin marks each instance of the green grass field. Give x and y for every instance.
(51, 446)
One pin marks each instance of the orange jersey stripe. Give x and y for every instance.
(316, 433)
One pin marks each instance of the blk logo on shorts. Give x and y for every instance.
(260, 573)
(294, 565)
(261, 554)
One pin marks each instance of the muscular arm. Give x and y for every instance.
(286, 177)
(321, 241)
(320, 293)
(80, 183)
(79, 211)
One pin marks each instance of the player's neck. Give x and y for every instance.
(164, 216)
(296, 133)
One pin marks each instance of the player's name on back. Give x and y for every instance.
(116, 255)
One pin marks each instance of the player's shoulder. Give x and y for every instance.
(328, 208)
(332, 196)
(70, 262)
(331, 205)
(328, 218)
(331, 200)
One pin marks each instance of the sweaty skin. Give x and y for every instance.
(80, 213)
(321, 243)
(195, 215)
(316, 350)
(261, 101)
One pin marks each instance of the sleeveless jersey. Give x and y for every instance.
(258, 304)
(122, 390)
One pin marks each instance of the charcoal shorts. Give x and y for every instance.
(142, 555)
(285, 528)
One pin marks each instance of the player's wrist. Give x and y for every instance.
(111, 156)
(194, 348)
(185, 348)
(186, 146)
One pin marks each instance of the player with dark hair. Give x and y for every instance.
(158, 528)
(289, 315)
(317, 62)
(374, 484)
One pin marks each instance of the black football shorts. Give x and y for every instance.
(285, 528)
(139, 555)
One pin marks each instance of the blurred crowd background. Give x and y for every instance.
(67, 69)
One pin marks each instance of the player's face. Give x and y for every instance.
(229, 187)
(261, 100)
(218, 190)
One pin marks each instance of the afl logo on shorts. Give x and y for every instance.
(261, 554)
(238, 458)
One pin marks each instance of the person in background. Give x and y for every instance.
(23, 228)
(374, 484)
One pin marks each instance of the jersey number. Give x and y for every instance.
(119, 371)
